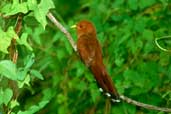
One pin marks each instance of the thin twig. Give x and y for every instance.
(147, 106)
(63, 29)
(162, 38)
(124, 98)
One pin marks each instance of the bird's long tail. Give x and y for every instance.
(105, 82)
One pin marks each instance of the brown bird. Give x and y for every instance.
(91, 54)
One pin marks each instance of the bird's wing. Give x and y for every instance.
(86, 49)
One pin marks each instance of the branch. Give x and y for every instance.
(63, 29)
(13, 49)
(147, 106)
(14, 54)
(124, 98)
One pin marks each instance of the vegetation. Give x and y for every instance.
(40, 73)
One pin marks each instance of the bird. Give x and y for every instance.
(90, 52)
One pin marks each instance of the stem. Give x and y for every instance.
(63, 29)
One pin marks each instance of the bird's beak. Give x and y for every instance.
(73, 26)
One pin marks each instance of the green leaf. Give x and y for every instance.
(132, 76)
(133, 4)
(16, 7)
(61, 53)
(117, 3)
(125, 108)
(23, 41)
(6, 8)
(147, 34)
(13, 113)
(36, 74)
(4, 42)
(14, 103)
(148, 47)
(61, 98)
(33, 109)
(25, 81)
(32, 4)
(8, 69)
(42, 10)
(165, 3)
(68, 47)
(5, 39)
(37, 34)
(21, 74)
(140, 24)
(134, 45)
(48, 93)
(5, 96)
(165, 59)
(80, 68)
(145, 3)
(29, 61)
(136, 91)
(119, 61)
(94, 92)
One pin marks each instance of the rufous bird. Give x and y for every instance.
(90, 52)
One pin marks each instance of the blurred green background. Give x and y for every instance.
(126, 30)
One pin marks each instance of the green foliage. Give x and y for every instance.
(51, 78)
(6, 95)
(23, 41)
(5, 38)
(39, 10)
(34, 108)
(9, 66)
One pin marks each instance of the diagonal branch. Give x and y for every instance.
(63, 29)
(147, 106)
(124, 98)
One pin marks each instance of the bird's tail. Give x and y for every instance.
(105, 82)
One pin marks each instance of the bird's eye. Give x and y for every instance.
(81, 26)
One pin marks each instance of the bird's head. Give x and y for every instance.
(85, 27)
